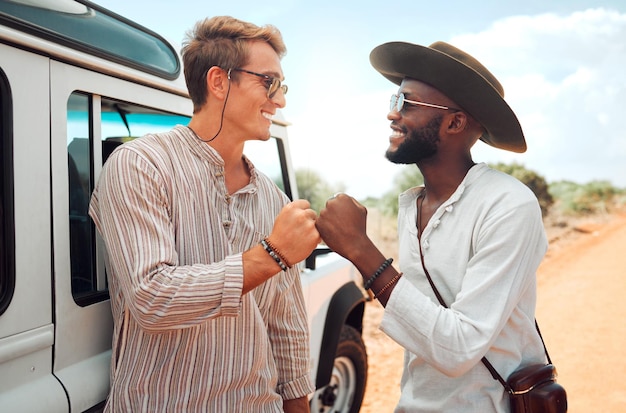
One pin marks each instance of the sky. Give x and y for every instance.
(561, 63)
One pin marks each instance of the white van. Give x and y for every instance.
(76, 80)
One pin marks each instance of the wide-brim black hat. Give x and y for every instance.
(461, 78)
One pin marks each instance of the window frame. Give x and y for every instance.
(7, 221)
(95, 123)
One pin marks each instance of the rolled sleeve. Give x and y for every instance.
(296, 388)
(233, 285)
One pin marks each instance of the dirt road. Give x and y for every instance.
(581, 311)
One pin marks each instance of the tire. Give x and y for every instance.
(344, 393)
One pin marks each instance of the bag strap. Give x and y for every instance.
(542, 342)
(486, 362)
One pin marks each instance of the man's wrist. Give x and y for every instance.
(267, 246)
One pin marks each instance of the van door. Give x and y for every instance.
(26, 318)
(89, 113)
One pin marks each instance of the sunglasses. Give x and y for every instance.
(397, 103)
(273, 84)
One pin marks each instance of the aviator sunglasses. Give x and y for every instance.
(272, 84)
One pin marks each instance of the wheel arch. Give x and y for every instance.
(347, 306)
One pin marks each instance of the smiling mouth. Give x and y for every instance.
(396, 134)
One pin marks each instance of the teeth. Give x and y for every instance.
(267, 115)
(396, 134)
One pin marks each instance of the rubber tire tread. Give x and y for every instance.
(351, 345)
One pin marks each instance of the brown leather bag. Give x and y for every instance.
(534, 389)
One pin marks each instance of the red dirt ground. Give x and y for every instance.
(581, 311)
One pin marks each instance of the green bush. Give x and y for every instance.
(591, 198)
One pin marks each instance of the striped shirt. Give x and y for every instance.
(185, 338)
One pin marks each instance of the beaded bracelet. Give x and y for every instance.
(281, 256)
(368, 284)
(389, 284)
(272, 254)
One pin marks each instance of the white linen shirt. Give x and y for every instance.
(482, 248)
(185, 338)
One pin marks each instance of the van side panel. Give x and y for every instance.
(26, 329)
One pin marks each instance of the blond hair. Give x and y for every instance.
(221, 41)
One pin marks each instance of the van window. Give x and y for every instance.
(94, 30)
(7, 252)
(79, 166)
(119, 122)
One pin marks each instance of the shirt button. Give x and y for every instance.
(219, 174)
(436, 223)
(227, 198)
(449, 208)
(227, 224)
(426, 244)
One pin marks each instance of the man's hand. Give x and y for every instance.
(300, 405)
(294, 234)
(342, 225)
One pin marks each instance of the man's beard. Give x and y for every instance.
(419, 144)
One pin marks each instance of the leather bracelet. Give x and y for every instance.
(277, 252)
(273, 254)
(389, 284)
(368, 284)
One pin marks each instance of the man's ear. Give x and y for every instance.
(217, 80)
(457, 122)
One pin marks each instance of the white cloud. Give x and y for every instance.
(564, 77)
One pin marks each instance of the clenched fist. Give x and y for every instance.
(294, 233)
(342, 225)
